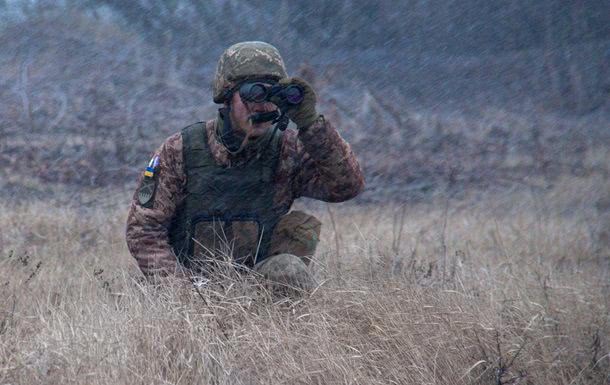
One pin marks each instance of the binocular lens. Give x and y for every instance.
(253, 92)
(294, 94)
(260, 93)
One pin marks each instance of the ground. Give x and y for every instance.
(485, 288)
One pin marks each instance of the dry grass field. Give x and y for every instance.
(485, 288)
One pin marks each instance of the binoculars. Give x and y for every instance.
(282, 96)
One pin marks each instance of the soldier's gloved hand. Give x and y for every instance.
(303, 114)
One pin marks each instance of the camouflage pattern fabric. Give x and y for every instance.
(235, 205)
(315, 163)
(297, 233)
(254, 59)
(286, 274)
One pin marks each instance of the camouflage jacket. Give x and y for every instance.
(315, 163)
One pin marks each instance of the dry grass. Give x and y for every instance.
(485, 290)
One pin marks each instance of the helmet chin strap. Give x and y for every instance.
(228, 136)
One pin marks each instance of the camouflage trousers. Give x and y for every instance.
(296, 233)
(285, 274)
(293, 243)
(285, 264)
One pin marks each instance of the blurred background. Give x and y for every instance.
(434, 96)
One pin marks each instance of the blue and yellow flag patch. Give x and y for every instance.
(146, 192)
(152, 165)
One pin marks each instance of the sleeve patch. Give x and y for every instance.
(146, 191)
(152, 166)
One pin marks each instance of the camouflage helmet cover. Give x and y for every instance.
(247, 59)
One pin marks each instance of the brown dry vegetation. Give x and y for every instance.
(487, 289)
(495, 272)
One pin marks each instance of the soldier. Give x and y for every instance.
(225, 186)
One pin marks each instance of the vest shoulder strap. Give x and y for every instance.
(271, 156)
(195, 146)
(196, 151)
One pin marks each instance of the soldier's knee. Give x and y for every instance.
(286, 271)
(296, 233)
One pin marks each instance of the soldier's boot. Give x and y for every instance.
(286, 275)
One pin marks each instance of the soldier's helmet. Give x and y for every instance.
(249, 59)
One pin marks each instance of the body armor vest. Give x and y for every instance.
(226, 209)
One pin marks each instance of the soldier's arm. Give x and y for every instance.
(148, 221)
(328, 169)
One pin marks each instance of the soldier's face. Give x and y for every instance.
(240, 116)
